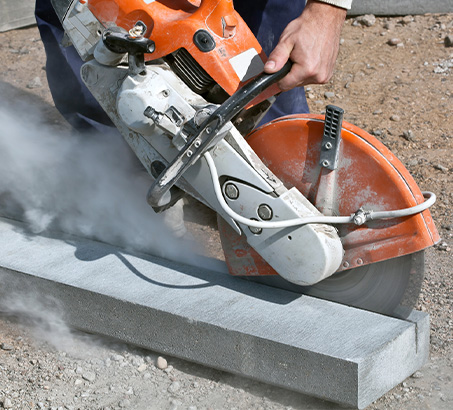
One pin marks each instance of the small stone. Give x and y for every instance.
(311, 96)
(394, 42)
(448, 41)
(389, 25)
(407, 20)
(124, 403)
(440, 167)
(35, 83)
(161, 363)
(6, 346)
(89, 376)
(409, 136)
(443, 246)
(367, 20)
(7, 404)
(395, 117)
(417, 375)
(174, 387)
(329, 94)
(78, 382)
(142, 368)
(377, 133)
(377, 112)
(169, 369)
(420, 397)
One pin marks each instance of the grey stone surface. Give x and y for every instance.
(312, 346)
(15, 14)
(400, 7)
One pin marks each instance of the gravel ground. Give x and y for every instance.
(394, 79)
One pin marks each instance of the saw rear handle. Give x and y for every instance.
(200, 139)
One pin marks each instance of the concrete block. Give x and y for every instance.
(400, 7)
(312, 346)
(16, 14)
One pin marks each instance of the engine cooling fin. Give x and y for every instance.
(190, 71)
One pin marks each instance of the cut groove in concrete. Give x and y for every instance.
(312, 346)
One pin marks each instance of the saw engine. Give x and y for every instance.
(307, 198)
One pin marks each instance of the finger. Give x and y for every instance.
(278, 58)
(294, 78)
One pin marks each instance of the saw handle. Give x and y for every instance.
(200, 139)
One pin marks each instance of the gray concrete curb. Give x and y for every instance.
(315, 347)
(400, 7)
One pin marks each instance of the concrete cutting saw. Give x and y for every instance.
(306, 202)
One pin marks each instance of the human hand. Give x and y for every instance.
(311, 42)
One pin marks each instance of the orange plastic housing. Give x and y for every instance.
(368, 176)
(171, 24)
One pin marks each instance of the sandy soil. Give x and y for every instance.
(394, 79)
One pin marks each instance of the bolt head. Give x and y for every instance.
(265, 212)
(231, 191)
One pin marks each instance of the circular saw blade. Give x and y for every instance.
(390, 287)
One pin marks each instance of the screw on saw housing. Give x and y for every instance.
(201, 138)
(133, 43)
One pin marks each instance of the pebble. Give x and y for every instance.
(78, 382)
(142, 368)
(124, 403)
(329, 94)
(6, 346)
(35, 83)
(89, 376)
(443, 246)
(7, 404)
(377, 112)
(394, 42)
(117, 358)
(161, 363)
(448, 41)
(407, 20)
(367, 20)
(440, 167)
(409, 136)
(174, 387)
(395, 117)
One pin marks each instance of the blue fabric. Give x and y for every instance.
(266, 19)
(71, 97)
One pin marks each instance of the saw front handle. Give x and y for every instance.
(200, 139)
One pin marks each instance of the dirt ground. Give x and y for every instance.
(394, 78)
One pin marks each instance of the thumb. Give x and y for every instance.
(277, 59)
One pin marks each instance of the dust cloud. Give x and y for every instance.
(87, 185)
